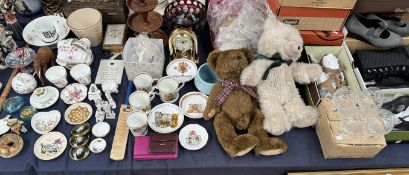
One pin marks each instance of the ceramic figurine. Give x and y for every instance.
(44, 57)
(16, 125)
(9, 15)
(7, 42)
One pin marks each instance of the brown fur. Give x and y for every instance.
(240, 111)
(44, 57)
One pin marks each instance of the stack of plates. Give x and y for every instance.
(52, 7)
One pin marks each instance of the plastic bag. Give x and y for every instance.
(236, 23)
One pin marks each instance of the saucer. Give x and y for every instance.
(44, 122)
(97, 145)
(49, 146)
(31, 37)
(74, 93)
(101, 129)
(78, 113)
(193, 104)
(183, 70)
(44, 97)
(191, 132)
(163, 115)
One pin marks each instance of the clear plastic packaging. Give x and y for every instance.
(236, 23)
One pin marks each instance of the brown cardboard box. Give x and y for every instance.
(334, 146)
(381, 6)
(322, 15)
(354, 44)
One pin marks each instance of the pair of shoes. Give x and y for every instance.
(332, 77)
(373, 31)
(392, 23)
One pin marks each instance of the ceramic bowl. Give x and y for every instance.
(81, 129)
(101, 129)
(193, 137)
(21, 57)
(165, 118)
(24, 83)
(13, 104)
(178, 14)
(79, 141)
(78, 113)
(44, 97)
(44, 122)
(97, 145)
(193, 104)
(27, 112)
(74, 93)
(205, 79)
(79, 153)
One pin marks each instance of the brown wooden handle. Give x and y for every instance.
(7, 88)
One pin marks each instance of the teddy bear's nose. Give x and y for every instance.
(299, 47)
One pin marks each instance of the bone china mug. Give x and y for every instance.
(141, 100)
(168, 88)
(137, 122)
(143, 82)
(57, 75)
(46, 31)
(81, 73)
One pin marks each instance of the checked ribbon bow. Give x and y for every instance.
(228, 87)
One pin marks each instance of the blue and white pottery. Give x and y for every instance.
(205, 79)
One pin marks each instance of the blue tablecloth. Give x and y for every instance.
(303, 154)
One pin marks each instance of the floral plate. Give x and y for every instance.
(193, 137)
(44, 122)
(183, 70)
(74, 93)
(44, 97)
(49, 146)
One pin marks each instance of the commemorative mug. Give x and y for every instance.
(141, 100)
(81, 73)
(168, 89)
(137, 122)
(143, 82)
(57, 75)
(46, 31)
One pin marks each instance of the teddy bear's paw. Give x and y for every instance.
(270, 147)
(244, 144)
(276, 127)
(209, 113)
(313, 71)
(248, 80)
(308, 117)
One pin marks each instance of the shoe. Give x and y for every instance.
(373, 31)
(397, 105)
(393, 23)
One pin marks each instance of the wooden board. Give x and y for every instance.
(397, 171)
(7, 88)
(121, 135)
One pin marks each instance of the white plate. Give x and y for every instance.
(44, 97)
(49, 146)
(74, 106)
(31, 37)
(74, 93)
(101, 129)
(44, 122)
(165, 108)
(193, 104)
(200, 131)
(97, 145)
(183, 70)
(3, 125)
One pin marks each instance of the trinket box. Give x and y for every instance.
(113, 11)
(114, 38)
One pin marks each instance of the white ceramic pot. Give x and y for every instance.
(24, 83)
(87, 23)
(137, 122)
(81, 73)
(141, 100)
(57, 75)
(143, 82)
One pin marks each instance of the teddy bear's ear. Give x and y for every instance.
(212, 58)
(249, 54)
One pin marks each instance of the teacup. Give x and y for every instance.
(143, 82)
(46, 31)
(81, 73)
(141, 100)
(137, 122)
(57, 75)
(168, 88)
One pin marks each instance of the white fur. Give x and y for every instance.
(279, 98)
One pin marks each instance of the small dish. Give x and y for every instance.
(4, 128)
(97, 145)
(20, 57)
(81, 129)
(44, 122)
(79, 141)
(79, 153)
(165, 118)
(101, 129)
(193, 104)
(193, 137)
(59, 23)
(49, 146)
(44, 97)
(10, 145)
(13, 104)
(78, 113)
(27, 112)
(74, 93)
(24, 83)
(182, 70)
(205, 79)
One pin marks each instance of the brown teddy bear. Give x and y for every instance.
(235, 107)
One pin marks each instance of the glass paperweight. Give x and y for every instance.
(13, 104)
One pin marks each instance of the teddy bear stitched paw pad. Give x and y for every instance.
(270, 147)
(314, 71)
(243, 144)
(275, 126)
(308, 117)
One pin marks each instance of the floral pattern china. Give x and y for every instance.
(49, 146)
(44, 122)
(24, 83)
(74, 93)
(44, 97)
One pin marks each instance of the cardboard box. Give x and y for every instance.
(322, 38)
(354, 44)
(316, 53)
(334, 145)
(381, 6)
(322, 15)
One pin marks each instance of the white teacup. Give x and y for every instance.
(137, 122)
(46, 31)
(81, 73)
(141, 100)
(168, 88)
(143, 82)
(57, 75)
